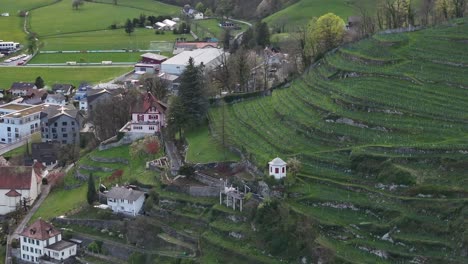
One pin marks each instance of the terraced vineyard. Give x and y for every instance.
(381, 128)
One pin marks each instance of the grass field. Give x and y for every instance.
(203, 149)
(89, 17)
(106, 40)
(86, 57)
(11, 28)
(381, 129)
(74, 75)
(210, 28)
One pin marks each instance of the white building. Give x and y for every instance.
(18, 121)
(126, 201)
(148, 116)
(209, 57)
(19, 184)
(55, 99)
(277, 168)
(42, 240)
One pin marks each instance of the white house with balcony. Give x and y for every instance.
(148, 116)
(277, 168)
(19, 121)
(125, 200)
(42, 241)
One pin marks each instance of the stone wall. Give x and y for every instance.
(127, 139)
(204, 191)
(93, 223)
(109, 160)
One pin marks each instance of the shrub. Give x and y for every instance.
(187, 170)
(15, 243)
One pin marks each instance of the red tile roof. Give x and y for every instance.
(12, 193)
(15, 177)
(149, 100)
(40, 230)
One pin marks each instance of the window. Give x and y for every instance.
(8, 129)
(64, 129)
(16, 129)
(283, 170)
(32, 126)
(73, 123)
(64, 142)
(55, 124)
(24, 239)
(37, 242)
(64, 123)
(64, 135)
(276, 170)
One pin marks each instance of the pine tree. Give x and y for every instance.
(39, 82)
(263, 34)
(192, 94)
(129, 27)
(91, 195)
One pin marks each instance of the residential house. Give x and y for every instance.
(19, 186)
(56, 99)
(181, 46)
(64, 89)
(18, 121)
(92, 97)
(42, 240)
(125, 200)
(150, 63)
(192, 13)
(148, 116)
(60, 124)
(35, 96)
(21, 88)
(82, 91)
(209, 57)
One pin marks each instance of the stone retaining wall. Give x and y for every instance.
(109, 160)
(94, 168)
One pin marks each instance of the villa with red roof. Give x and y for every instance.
(41, 240)
(19, 183)
(148, 116)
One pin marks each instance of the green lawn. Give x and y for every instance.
(204, 149)
(11, 28)
(61, 201)
(88, 17)
(74, 75)
(211, 28)
(22, 150)
(132, 57)
(108, 39)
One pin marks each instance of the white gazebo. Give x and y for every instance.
(277, 168)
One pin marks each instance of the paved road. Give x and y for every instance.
(174, 156)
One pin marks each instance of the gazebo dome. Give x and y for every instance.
(277, 161)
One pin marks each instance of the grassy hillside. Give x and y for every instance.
(381, 129)
(302, 11)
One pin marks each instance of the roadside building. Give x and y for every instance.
(60, 124)
(209, 57)
(41, 240)
(149, 63)
(19, 186)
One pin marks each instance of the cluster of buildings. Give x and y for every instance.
(7, 47)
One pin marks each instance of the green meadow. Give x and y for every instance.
(89, 17)
(107, 39)
(52, 75)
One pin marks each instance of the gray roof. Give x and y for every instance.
(55, 111)
(56, 97)
(154, 56)
(199, 56)
(277, 161)
(61, 245)
(124, 193)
